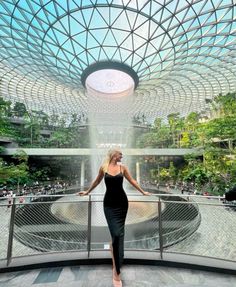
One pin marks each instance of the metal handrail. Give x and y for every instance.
(91, 195)
(159, 199)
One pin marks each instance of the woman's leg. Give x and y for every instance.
(115, 275)
(112, 256)
(115, 217)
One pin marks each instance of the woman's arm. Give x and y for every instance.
(94, 183)
(132, 181)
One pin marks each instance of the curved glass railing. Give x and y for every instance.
(161, 224)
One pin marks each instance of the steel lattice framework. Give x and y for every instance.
(183, 51)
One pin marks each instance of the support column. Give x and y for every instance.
(138, 172)
(82, 174)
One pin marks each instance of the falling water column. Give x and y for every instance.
(110, 95)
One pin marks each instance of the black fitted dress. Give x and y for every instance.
(115, 208)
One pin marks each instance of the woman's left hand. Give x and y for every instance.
(147, 193)
(82, 193)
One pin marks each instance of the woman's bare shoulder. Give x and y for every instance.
(101, 169)
(124, 167)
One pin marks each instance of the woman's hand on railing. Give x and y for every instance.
(147, 193)
(82, 193)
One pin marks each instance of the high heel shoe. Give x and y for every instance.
(116, 283)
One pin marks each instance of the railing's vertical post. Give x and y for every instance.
(160, 227)
(11, 231)
(89, 225)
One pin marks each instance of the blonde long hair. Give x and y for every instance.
(109, 157)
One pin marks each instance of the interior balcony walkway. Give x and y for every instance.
(188, 259)
(89, 151)
(101, 276)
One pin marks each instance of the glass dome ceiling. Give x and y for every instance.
(183, 51)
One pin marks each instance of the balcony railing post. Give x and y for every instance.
(11, 231)
(160, 228)
(89, 225)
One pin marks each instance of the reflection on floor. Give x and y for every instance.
(100, 276)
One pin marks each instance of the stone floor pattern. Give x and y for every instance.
(100, 276)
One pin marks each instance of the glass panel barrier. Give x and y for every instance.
(215, 236)
(5, 213)
(180, 219)
(141, 228)
(46, 225)
(193, 225)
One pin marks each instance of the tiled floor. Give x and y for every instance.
(100, 276)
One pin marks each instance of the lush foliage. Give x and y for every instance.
(213, 169)
(215, 137)
(15, 172)
(37, 129)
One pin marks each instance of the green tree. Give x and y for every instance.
(223, 105)
(20, 171)
(189, 135)
(41, 174)
(59, 138)
(185, 140)
(4, 172)
(198, 175)
(173, 172)
(19, 174)
(5, 127)
(158, 137)
(176, 124)
(14, 173)
(19, 109)
(32, 127)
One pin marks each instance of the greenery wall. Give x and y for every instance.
(215, 137)
(37, 129)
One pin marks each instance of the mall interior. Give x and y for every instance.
(151, 81)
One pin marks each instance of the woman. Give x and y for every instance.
(115, 205)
